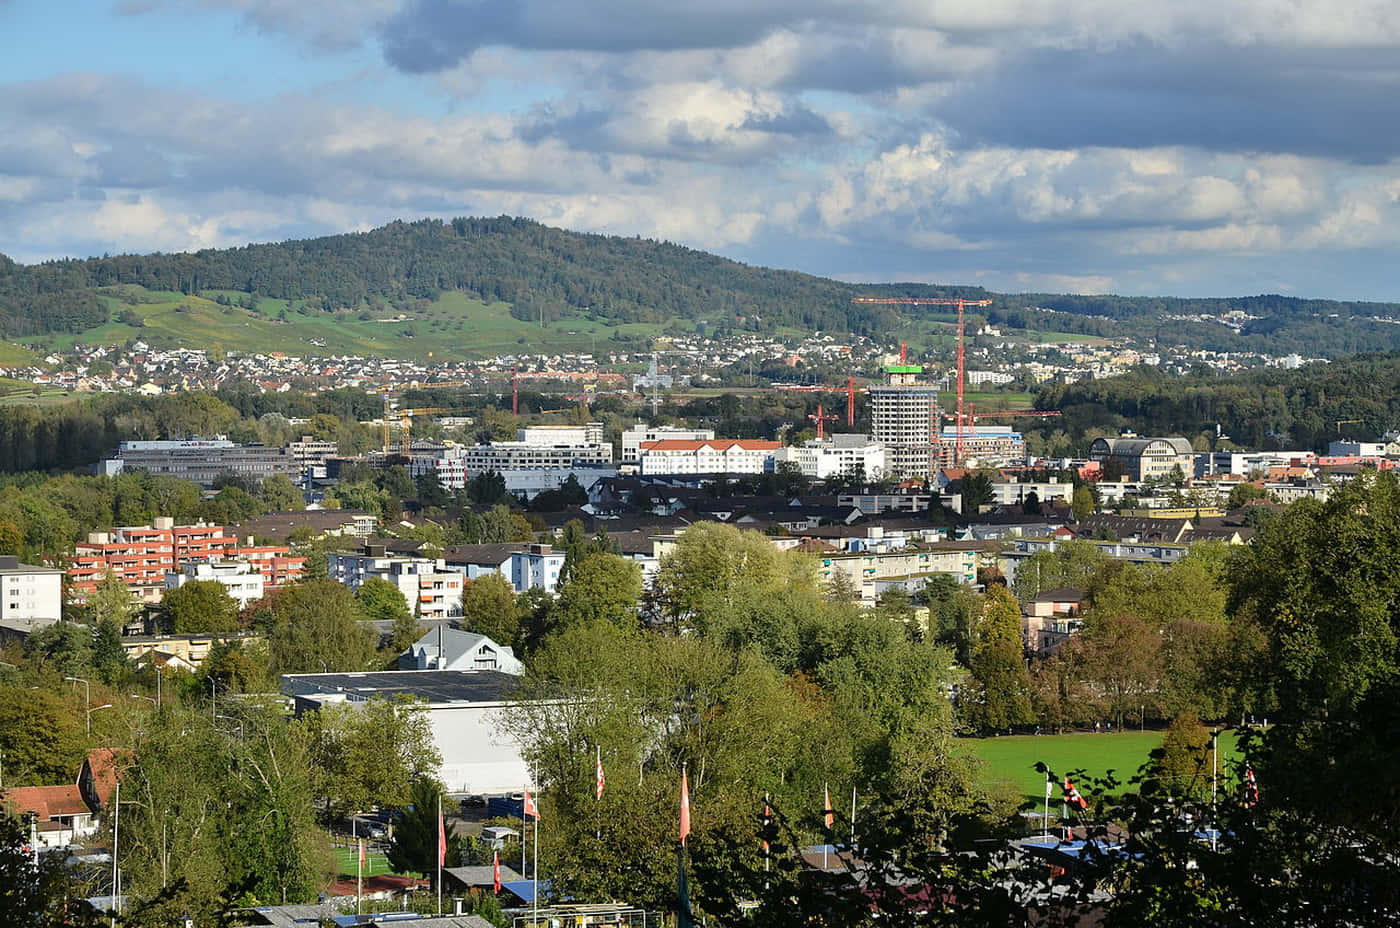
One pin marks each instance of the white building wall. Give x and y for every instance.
(31, 598)
(478, 754)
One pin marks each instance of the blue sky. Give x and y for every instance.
(1193, 148)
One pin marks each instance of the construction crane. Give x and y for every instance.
(961, 304)
(820, 418)
(405, 417)
(850, 389)
(390, 393)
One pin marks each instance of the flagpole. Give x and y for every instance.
(442, 836)
(535, 903)
(853, 817)
(826, 820)
(359, 875)
(524, 823)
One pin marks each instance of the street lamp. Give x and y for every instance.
(88, 698)
(106, 705)
(150, 699)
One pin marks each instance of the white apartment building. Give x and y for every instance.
(904, 417)
(239, 578)
(715, 456)
(1013, 492)
(30, 597)
(455, 465)
(845, 455)
(633, 438)
(430, 589)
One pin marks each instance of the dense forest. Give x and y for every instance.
(550, 274)
(1274, 408)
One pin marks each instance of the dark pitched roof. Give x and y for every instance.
(483, 554)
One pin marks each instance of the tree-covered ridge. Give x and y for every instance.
(1303, 408)
(547, 273)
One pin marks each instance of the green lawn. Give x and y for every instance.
(375, 862)
(453, 327)
(1012, 759)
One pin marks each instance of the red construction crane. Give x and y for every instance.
(850, 389)
(973, 415)
(961, 304)
(821, 418)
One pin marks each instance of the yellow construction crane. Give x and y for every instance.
(390, 394)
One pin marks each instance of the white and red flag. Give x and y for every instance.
(685, 806)
(1073, 798)
(600, 781)
(828, 814)
(496, 871)
(442, 841)
(531, 810)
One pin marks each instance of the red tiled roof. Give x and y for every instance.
(103, 764)
(49, 801)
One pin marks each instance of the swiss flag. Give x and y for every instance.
(442, 842)
(496, 871)
(530, 809)
(1073, 798)
(601, 781)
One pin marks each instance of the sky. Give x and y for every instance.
(1190, 147)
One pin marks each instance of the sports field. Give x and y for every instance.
(375, 861)
(1012, 759)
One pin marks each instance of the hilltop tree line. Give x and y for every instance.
(548, 274)
(1303, 408)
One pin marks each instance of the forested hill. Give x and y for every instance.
(1358, 399)
(550, 274)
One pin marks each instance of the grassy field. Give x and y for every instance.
(453, 327)
(989, 401)
(15, 354)
(1012, 759)
(375, 862)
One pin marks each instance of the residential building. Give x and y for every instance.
(431, 590)
(904, 416)
(453, 649)
(842, 455)
(467, 712)
(1013, 491)
(525, 566)
(710, 456)
(30, 597)
(178, 652)
(238, 578)
(1051, 617)
(871, 504)
(872, 573)
(633, 437)
(1145, 458)
(142, 555)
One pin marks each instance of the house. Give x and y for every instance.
(1049, 619)
(454, 649)
(429, 587)
(66, 814)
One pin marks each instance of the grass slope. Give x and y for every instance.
(453, 327)
(1012, 759)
